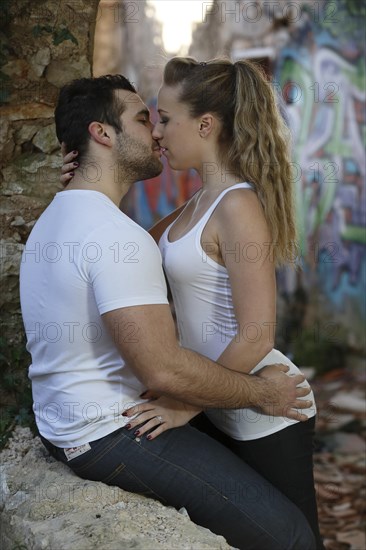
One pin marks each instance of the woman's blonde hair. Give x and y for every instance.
(254, 139)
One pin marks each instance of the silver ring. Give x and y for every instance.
(160, 418)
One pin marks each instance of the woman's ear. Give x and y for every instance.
(100, 133)
(206, 125)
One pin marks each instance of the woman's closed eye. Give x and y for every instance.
(163, 120)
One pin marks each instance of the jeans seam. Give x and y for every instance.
(79, 470)
(96, 458)
(116, 471)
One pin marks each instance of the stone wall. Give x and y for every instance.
(45, 43)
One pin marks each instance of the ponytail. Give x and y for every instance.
(261, 148)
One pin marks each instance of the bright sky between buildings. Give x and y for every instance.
(177, 17)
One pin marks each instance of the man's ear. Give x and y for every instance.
(206, 125)
(100, 133)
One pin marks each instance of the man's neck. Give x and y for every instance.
(103, 177)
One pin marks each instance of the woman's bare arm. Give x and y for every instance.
(244, 242)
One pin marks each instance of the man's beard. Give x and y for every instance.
(135, 160)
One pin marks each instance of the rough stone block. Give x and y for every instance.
(45, 506)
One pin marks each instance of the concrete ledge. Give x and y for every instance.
(46, 507)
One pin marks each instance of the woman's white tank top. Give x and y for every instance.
(206, 321)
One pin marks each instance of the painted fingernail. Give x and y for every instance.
(75, 164)
(72, 174)
(128, 426)
(124, 414)
(137, 432)
(149, 437)
(75, 152)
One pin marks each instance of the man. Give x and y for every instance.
(92, 293)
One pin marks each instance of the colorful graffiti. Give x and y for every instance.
(322, 75)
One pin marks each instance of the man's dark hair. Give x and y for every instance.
(86, 100)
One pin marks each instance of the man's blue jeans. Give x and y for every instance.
(186, 468)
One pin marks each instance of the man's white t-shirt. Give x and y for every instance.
(83, 258)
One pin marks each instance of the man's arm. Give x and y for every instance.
(168, 369)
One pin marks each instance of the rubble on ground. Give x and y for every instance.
(339, 460)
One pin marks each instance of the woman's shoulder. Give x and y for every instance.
(240, 210)
(238, 200)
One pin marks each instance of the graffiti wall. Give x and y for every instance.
(322, 76)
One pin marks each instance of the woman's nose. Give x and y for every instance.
(156, 134)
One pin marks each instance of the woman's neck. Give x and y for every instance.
(215, 177)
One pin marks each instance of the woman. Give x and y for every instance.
(220, 251)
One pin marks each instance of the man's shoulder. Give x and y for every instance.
(120, 233)
(123, 225)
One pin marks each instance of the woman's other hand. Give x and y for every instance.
(69, 166)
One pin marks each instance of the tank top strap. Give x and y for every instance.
(198, 228)
(208, 213)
